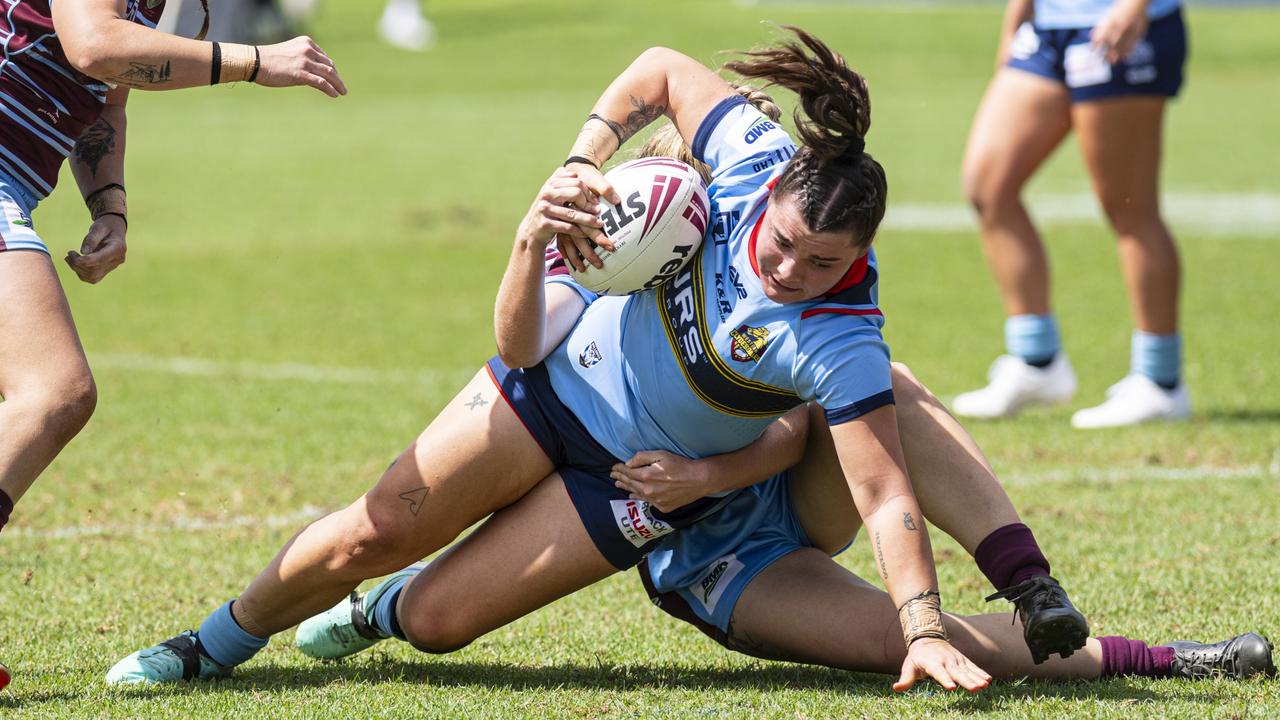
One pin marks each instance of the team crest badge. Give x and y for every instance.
(748, 343)
(590, 356)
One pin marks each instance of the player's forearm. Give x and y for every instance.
(900, 543)
(105, 46)
(97, 160)
(779, 447)
(519, 314)
(637, 97)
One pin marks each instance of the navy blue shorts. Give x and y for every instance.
(1065, 55)
(622, 529)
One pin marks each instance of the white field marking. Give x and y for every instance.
(186, 525)
(1138, 474)
(300, 372)
(312, 512)
(1255, 214)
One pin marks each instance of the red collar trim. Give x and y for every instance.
(856, 273)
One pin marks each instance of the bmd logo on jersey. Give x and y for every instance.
(761, 127)
(636, 521)
(711, 586)
(590, 356)
(748, 343)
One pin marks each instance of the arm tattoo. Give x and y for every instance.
(143, 74)
(643, 114)
(415, 498)
(884, 569)
(96, 142)
(908, 522)
(477, 401)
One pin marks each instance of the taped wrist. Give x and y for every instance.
(108, 200)
(234, 63)
(921, 617)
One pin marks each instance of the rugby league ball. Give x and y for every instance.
(656, 229)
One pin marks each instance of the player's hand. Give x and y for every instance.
(299, 61)
(564, 212)
(930, 657)
(664, 480)
(102, 251)
(1120, 30)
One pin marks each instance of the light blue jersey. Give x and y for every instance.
(701, 365)
(1060, 14)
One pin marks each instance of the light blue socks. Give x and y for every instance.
(1034, 338)
(225, 641)
(1159, 357)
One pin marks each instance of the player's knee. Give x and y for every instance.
(66, 404)
(372, 545)
(907, 388)
(436, 626)
(1128, 218)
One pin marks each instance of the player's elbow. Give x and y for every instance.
(517, 358)
(89, 53)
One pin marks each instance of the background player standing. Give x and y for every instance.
(1105, 69)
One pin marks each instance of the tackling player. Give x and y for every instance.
(66, 69)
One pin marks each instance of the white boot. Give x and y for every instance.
(403, 25)
(1136, 399)
(1014, 385)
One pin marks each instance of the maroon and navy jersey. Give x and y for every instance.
(45, 104)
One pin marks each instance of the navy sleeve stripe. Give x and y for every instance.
(710, 122)
(860, 408)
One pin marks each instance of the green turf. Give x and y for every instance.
(278, 227)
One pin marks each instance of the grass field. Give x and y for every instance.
(310, 280)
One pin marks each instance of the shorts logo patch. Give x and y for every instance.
(1085, 66)
(748, 343)
(1025, 42)
(590, 355)
(636, 521)
(711, 586)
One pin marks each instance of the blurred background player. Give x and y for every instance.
(55, 106)
(402, 23)
(1105, 69)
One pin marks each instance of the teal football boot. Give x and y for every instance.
(344, 629)
(178, 658)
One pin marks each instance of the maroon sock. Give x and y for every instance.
(1010, 555)
(1122, 656)
(6, 507)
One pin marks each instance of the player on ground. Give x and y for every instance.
(1106, 69)
(65, 74)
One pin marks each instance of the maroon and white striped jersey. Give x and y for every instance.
(45, 104)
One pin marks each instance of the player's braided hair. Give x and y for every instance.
(837, 184)
(666, 140)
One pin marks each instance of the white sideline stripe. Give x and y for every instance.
(307, 512)
(312, 512)
(302, 372)
(1164, 474)
(1217, 215)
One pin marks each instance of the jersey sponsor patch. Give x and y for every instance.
(709, 588)
(636, 521)
(1025, 42)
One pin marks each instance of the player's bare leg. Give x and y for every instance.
(1120, 139)
(522, 558)
(1022, 119)
(800, 609)
(959, 493)
(48, 390)
(474, 458)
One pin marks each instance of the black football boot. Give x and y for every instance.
(1050, 623)
(1243, 656)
